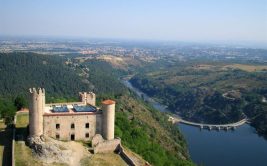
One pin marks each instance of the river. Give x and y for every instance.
(240, 147)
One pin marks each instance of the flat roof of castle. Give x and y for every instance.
(70, 109)
(86, 108)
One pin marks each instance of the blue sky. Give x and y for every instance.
(181, 20)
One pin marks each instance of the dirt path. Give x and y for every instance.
(79, 152)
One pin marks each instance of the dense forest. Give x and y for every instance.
(207, 93)
(21, 71)
(141, 128)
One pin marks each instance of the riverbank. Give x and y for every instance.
(242, 146)
(176, 118)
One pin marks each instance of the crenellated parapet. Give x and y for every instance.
(70, 120)
(88, 98)
(38, 91)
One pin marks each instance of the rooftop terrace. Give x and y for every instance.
(69, 109)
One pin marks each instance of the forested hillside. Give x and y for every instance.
(209, 93)
(141, 128)
(21, 71)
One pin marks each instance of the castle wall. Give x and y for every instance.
(70, 125)
(65, 131)
(108, 107)
(37, 104)
(107, 146)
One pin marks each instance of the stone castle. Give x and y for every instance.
(71, 121)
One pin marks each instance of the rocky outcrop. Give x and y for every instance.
(49, 150)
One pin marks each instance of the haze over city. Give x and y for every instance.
(191, 20)
(140, 82)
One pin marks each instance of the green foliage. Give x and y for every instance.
(104, 78)
(20, 102)
(21, 71)
(197, 94)
(135, 137)
(197, 104)
(7, 110)
(257, 111)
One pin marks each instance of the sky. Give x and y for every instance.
(179, 20)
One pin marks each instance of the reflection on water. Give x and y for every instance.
(232, 148)
(240, 147)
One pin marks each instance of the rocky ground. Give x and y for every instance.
(49, 150)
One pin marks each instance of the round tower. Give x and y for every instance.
(108, 123)
(37, 105)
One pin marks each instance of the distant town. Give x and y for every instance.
(135, 49)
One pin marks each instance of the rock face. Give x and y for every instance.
(97, 139)
(49, 150)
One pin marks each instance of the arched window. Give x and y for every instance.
(72, 126)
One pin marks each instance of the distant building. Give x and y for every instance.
(71, 121)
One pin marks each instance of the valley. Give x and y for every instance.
(207, 93)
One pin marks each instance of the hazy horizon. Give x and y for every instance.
(191, 21)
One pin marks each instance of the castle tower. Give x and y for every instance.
(37, 105)
(108, 123)
(82, 96)
(88, 98)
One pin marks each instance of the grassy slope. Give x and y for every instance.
(103, 160)
(148, 133)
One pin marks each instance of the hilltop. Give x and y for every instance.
(142, 129)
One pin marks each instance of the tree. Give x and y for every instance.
(20, 102)
(7, 111)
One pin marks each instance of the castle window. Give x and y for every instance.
(87, 125)
(86, 135)
(57, 136)
(57, 126)
(72, 126)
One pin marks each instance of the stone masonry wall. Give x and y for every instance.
(105, 146)
(65, 130)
